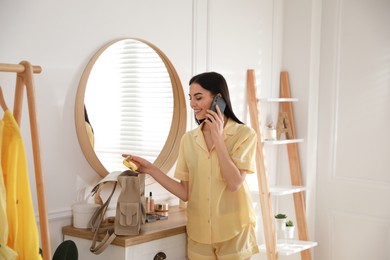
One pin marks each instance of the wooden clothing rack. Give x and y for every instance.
(24, 78)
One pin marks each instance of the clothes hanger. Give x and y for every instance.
(2, 100)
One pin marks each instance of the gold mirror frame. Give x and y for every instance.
(168, 155)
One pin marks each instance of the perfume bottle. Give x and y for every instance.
(147, 205)
(151, 202)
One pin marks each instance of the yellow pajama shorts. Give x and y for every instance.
(240, 247)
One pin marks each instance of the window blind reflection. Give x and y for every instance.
(129, 100)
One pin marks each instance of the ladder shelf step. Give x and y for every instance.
(289, 247)
(287, 141)
(285, 190)
(278, 100)
(280, 191)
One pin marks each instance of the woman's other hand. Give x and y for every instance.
(144, 165)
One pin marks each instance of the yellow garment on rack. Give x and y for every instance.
(91, 137)
(5, 251)
(22, 227)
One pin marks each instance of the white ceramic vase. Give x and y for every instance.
(289, 232)
(280, 223)
(280, 227)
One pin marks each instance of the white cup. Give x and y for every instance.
(270, 134)
(82, 214)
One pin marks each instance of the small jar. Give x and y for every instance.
(161, 207)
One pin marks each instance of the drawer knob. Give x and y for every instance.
(160, 256)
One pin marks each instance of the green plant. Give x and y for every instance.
(289, 223)
(281, 216)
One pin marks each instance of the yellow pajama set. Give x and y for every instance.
(23, 235)
(216, 216)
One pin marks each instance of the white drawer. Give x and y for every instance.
(174, 247)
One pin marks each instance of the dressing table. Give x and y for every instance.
(163, 236)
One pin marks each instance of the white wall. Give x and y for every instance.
(353, 214)
(61, 36)
(301, 28)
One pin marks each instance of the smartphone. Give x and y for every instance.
(220, 102)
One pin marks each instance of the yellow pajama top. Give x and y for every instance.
(23, 232)
(214, 213)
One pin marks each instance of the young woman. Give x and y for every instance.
(212, 164)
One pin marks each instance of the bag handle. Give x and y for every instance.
(96, 222)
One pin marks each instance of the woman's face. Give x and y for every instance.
(200, 100)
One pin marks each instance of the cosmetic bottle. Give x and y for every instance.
(151, 202)
(147, 205)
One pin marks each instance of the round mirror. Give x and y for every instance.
(132, 97)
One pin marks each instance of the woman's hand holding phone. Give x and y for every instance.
(215, 116)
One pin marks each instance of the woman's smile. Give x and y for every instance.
(198, 113)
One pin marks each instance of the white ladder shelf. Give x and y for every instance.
(272, 247)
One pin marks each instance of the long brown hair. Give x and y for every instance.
(216, 84)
